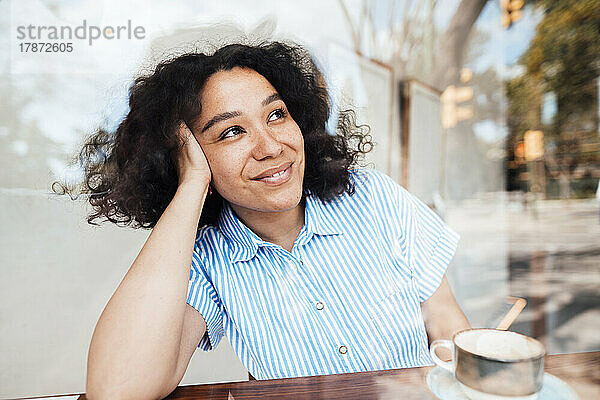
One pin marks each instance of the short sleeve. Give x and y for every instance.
(203, 297)
(433, 247)
(424, 240)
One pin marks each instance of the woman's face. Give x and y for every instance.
(254, 147)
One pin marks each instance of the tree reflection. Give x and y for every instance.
(558, 95)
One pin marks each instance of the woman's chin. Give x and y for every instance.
(286, 202)
(284, 205)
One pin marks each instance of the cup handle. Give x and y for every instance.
(447, 365)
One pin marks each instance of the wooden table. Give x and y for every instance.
(580, 370)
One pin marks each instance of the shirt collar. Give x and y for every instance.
(245, 243)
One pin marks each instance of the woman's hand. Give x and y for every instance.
(192, 166)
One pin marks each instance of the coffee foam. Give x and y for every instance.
(504, 345)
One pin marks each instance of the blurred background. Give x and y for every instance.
(487, 110)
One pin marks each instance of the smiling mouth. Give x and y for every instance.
(278, 177)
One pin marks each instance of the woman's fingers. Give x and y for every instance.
(185, 134)
(191, 161)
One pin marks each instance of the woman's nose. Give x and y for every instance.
(266, 144)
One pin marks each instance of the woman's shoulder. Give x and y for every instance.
(369, 175)
(374, 182)
(382, 191)
(209, 240)
(371, 189)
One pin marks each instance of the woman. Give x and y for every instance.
(307, 264)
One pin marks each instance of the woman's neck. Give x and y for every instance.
(280, 228)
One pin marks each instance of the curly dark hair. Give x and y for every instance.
(131, 176)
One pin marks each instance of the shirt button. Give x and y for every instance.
(319, 306)
(343, 349)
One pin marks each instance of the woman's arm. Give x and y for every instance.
(443, 317)
(146, 334)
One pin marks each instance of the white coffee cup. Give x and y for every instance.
(492, 364)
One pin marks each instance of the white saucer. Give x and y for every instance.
(443, 384)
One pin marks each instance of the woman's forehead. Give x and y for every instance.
(231, 84)
(232, 93)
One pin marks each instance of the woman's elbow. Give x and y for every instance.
(108, 389)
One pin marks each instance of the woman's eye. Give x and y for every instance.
(277, 114)
(230, 132)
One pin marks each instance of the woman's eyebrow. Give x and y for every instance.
(219, 118)
(270, 99)
(232, 114)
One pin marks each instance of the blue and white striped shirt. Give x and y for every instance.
(346, 299)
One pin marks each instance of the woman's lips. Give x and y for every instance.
(278, 178)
